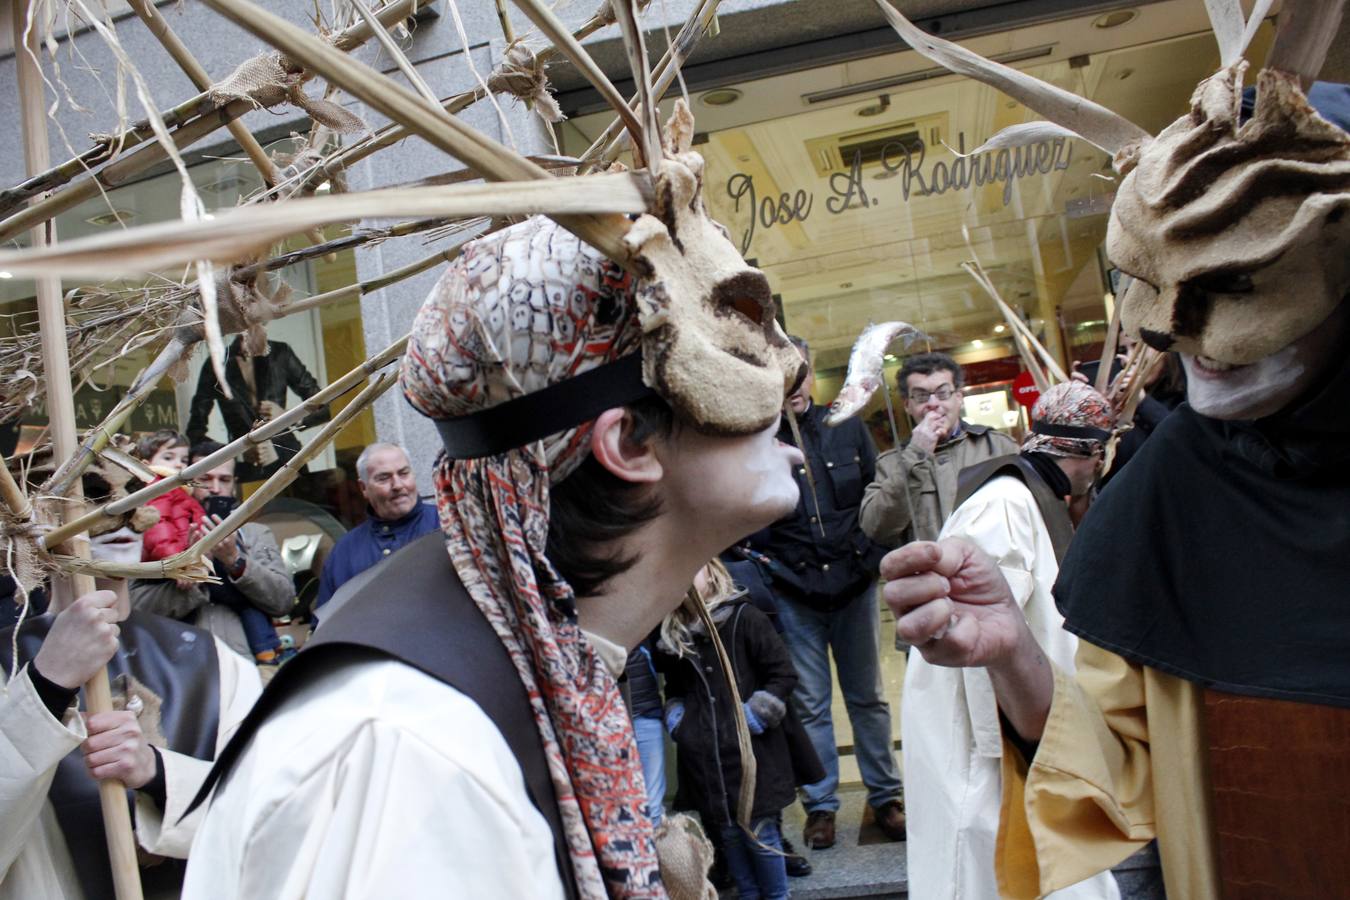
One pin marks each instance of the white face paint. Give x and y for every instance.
(771, 473)
(1268, 385)
(728, 487)
(122, 547)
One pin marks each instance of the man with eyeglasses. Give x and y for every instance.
(914, 491)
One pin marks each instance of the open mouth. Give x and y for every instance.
(1208, 364)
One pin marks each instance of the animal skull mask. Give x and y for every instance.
(532, 308)
(1236, 234)
(711, 346)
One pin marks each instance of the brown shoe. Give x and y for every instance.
(891, 819)
(819, 831)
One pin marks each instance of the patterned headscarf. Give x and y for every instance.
(525, 308)
(1070, 419)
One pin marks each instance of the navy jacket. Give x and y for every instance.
(826, 570)
(370, 542)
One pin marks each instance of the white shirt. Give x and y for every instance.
(34, 858)
(375, 780)
(952, 740)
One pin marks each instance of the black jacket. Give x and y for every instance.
(710, 763)
(826, 570)
(278, 370)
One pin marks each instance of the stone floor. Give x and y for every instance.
(847, 869)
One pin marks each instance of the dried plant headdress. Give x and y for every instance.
(1234, 232)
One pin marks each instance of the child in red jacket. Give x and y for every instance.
(165, 453)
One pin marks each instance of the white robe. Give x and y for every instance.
(376, 780)
(952, 740)
(34, 858)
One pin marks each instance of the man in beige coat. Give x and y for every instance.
(914, 491)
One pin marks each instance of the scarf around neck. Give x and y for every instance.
(520, 310)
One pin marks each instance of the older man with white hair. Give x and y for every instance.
(396, 516)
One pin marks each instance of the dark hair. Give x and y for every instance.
(802, 345)
(927, 364)
(156, 441)
(203, 449)
(593, 507)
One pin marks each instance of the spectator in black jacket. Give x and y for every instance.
(823, 571)
(258, 386)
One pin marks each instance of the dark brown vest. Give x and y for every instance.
(413, 608)
(1054, 511)
(176, 661)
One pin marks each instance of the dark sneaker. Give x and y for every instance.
(891, 819)
(796, 864)
(819, 830)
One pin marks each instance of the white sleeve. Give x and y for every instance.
(1001, 520)
(32, 742)
(166, 832)
(1004, 528)
(388, 815)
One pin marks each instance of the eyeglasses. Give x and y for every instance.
(944, 393)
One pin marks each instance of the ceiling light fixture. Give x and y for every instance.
(720, 97)
(6, 274)
(875, 109)
(977, 343)
(1115, 19)
(999, 329)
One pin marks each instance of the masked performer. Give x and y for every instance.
(1016, 509)
(181, 694)
(1211, 705)
(576, 505)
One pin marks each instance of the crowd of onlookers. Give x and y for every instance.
(794, 605)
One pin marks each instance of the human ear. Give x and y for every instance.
(613, 447)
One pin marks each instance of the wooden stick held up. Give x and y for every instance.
(61, 414)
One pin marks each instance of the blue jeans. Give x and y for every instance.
(760, 874)
(851, 633)
(651, 744)
(258, 628)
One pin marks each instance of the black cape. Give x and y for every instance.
(1221, 555)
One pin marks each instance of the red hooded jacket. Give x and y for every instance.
(178, 512)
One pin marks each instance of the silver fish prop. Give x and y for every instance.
(864, 367)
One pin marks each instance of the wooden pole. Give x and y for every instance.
(61, 415)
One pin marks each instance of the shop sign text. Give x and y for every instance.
(906, 162)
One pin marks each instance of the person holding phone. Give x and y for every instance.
(254, 585)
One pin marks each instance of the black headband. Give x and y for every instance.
(1077, 432)
(556, 408)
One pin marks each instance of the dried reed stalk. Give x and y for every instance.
(1052, 366)
(479, 152)
(249, 230)
(349, 155)
(607, 147)
(555, 31)
(361, 288)
(197, 75)
(649, 149)
(120, 171)
(1108, 351)
(193, 120)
